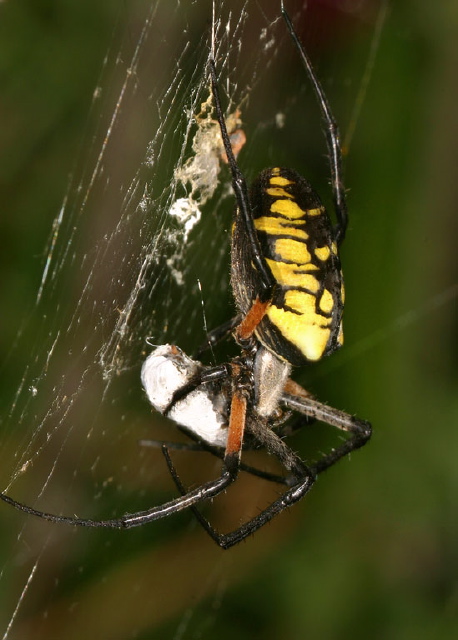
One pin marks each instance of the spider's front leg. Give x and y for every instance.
(216, 335)
(201, 377)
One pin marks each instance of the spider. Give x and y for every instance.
(288, 289)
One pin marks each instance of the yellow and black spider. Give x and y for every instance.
(288, 288)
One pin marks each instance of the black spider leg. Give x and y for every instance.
(240, 188)
(360, 430)
(294, 425)
(207, 374)
(300, 482)
(216, 335)
(284, 430)
(331, 132)
(218, 452)
(206, 491)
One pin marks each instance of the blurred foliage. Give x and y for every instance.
(372, 552)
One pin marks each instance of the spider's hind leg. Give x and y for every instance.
(218, 538)
(299, 481)
(201, 446)
(359, 430)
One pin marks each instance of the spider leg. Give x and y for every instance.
(296, 493)
(178, 446)
(299, 422)
(267, 282)
(231, 466)
(294, 425)
(241, 193)
(200, 445)
(206, 375)
(216, 335)
(249, 323)
(245, 327)
(303, 477)
(360, 430)
(205, 524)
(331, 132)
(300, 482)
(204, 492)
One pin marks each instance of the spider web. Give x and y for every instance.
(137, 255)
(121, 272)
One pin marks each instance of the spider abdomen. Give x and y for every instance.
(303, 321)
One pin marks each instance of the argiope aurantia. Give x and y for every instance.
(288, 288)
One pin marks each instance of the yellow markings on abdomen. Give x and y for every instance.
(278, 180)
(298, 248)
(292, 251)
(322, 253)
(301, 325)
(293, 275)
(326, 302)
(315, 212)
(280, 227)
(287, 208)
(278, 192)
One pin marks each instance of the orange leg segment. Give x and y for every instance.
(236, 426)
(254, 316)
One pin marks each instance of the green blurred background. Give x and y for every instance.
(373, 550)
